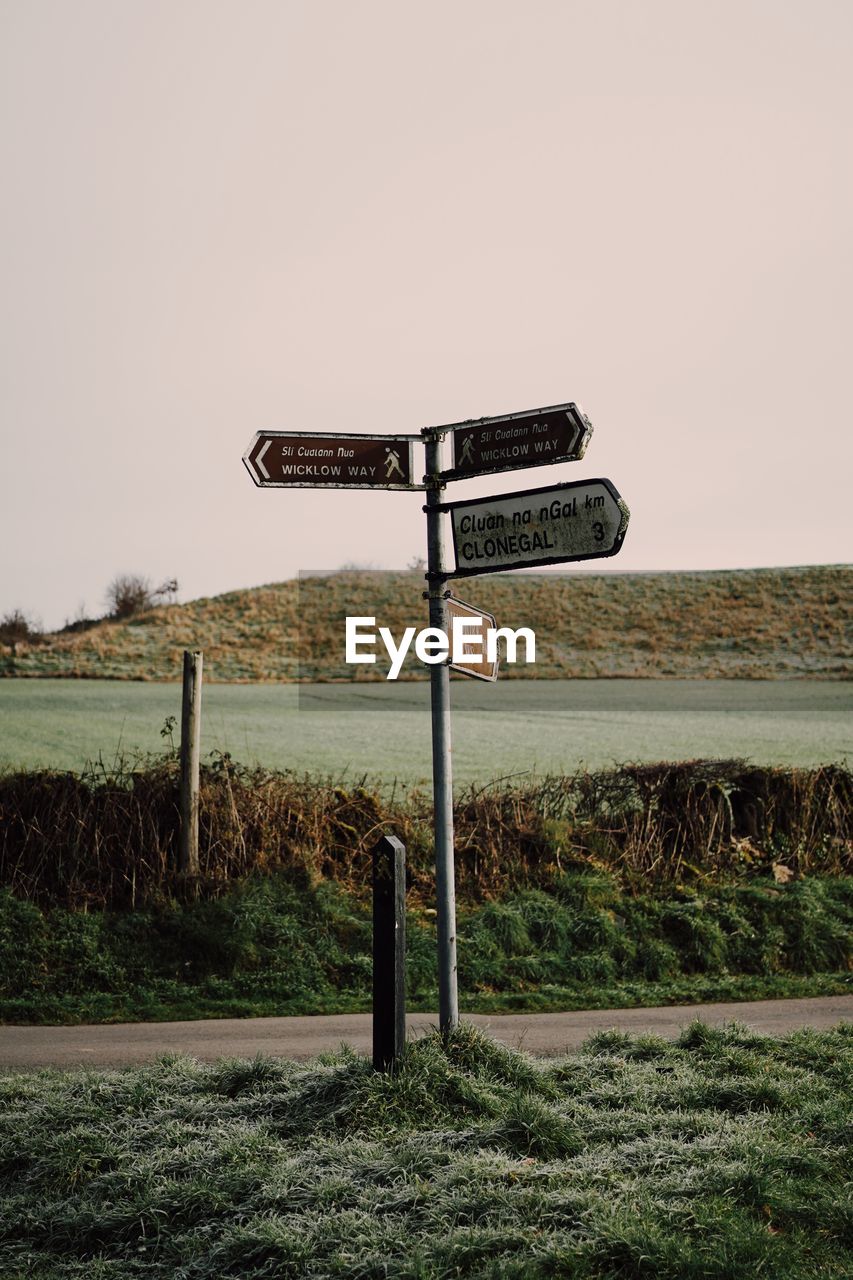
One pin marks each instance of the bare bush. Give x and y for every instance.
(167, 590)
(129, 593)
(80, 621)
(16, 627)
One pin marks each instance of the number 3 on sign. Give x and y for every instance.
(598, 531)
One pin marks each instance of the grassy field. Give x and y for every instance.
(760, 623)
(723, 1155)
(382, 730)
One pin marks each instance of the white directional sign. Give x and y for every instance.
(580, 521)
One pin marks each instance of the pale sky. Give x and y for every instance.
(219, 217)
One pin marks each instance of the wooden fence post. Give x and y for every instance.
(389, 952)
(188, 864)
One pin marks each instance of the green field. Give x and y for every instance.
(383, 729)
(723, 1155)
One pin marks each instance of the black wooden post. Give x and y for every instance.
(389, 952)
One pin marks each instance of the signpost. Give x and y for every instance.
(561, 523)
(553, 525)
(442, 775)
(299, 460)
(534, 438)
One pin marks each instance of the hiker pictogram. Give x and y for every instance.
(392, 464)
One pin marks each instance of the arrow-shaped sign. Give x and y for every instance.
(474, 661)
(331, 460)
(533, 438)
(555, 525)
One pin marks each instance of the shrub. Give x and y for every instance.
(16, 627)
(129, 593)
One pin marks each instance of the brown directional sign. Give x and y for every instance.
(559, 433)
(474, 661)
(299, 460)
(555, 525)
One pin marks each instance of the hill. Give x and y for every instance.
(756, 623)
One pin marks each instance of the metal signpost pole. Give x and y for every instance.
(442, 773)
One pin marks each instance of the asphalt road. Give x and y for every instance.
(546, 1034)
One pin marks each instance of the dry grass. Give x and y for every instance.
(110, 840)
(752, 623)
